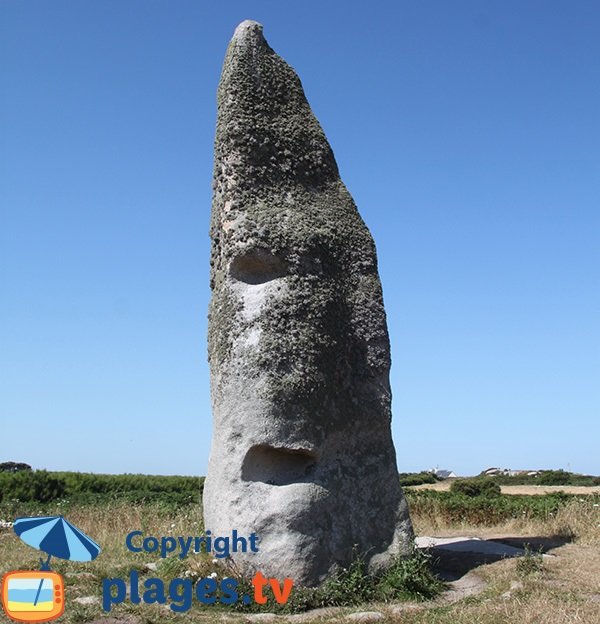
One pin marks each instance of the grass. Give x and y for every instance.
(560, 590)
(406, 579)
(109, 524)
(531, 563)
(569, 517)
(528, 489)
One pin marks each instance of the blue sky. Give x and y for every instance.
(467, 133)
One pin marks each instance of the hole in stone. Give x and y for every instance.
(257, 267)
(278, 466)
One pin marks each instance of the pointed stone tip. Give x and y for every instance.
(249, 30)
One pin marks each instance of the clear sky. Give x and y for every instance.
(468, 134)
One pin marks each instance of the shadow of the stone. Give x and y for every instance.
(542, 544)
(451, 561)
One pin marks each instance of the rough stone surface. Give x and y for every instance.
(87, 600)
(299, 354)
(365, 616)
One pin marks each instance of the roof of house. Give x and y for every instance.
(444, 474)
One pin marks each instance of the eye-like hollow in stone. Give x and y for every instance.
(257, 267)
(278, 465)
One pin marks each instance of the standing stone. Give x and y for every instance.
(299, 354)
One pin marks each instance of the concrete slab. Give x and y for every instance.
(466, 544)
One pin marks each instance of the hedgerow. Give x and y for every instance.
(80, 487)
(487, 510)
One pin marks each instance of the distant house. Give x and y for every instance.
(444, 474)
(495, 472)
(507, 472)
(518, 473)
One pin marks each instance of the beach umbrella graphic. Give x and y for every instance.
(57, 537)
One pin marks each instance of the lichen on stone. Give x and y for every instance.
(298, 344)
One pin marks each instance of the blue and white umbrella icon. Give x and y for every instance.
(57, 537)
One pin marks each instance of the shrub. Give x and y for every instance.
(407, 578)
(548, 477)
(14, 467)
(450, 508)
(351, 585)
(417, 478)
(31, 486)
(531, 562)
(554, 477)
(85, 488)
(476, 487)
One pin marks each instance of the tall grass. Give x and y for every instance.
(552, 514)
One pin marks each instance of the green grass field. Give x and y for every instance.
(108, 507)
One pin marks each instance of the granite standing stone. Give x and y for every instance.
(299, 354)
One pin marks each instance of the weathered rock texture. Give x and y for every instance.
(298, 345)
